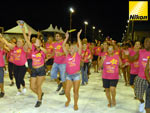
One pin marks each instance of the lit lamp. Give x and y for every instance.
(85, 23)
(71, 11)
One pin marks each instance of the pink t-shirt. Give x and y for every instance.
(97, 50)
(73, 63)
(103, 54)
(143, 57)
(38, 57)
(111, 67)
(11, 56)
(19, 56)
(134, 65)
(58, 49)
(29, 54)
(49, 48)
(85, 55)
(2, 62)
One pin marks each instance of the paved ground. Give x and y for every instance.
(92, 99)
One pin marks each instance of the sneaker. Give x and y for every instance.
(24, 90)
(38, 104)
(141, 107)
(59, 87)
(2, 94)
(62, 92)
(18, 93)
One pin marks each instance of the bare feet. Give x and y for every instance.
(109, 105)
(75, 107)
(67, 103)
(113, 104)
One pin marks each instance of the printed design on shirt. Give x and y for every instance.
(17, 54)
(113, 61)
(36, 58)
(136, 64)
(72, 61)
(144, 61)
(116, 53)
(58, 47)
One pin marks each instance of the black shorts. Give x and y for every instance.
(95, 58)
(50, 61)
(147, 103)
(30, 63)
(38, 71)
(107, 83)
(132, 79)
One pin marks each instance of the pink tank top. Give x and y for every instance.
(143, 57)
(111, 67)
(134, 65)
(73, 63)
(58, 49)
(38, 57)
(2, 62)
(19, 56)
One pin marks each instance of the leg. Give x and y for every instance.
(76, 85)
(85, 73)
(2, 79)
(40, 80)
(67, 91)
(107, 92)
(124, 75)
(21, 75)
(113, 95)
(82, 71)
(10, 70)
(62, 69)
(16, 74)
(33, 84)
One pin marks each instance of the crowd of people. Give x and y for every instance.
(64, 62)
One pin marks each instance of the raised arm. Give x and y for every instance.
(2, 39)
(147, 71)
(27, 38)
(79, 42)
(64, 43)
(132, 58)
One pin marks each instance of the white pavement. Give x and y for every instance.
(92, 99)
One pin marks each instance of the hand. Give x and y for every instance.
(79, 33)
(103, 57)
(67, 35)
(126, 52)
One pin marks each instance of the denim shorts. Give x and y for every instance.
(38, 71)
(1, 75)
(61, 68)
(73, 77)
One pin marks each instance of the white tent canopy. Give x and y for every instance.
(17, 29)
(51, 29)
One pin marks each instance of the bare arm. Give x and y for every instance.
(27, 39)
(64, 43)
(132, 58)
(102, 61)
(43, 49)
(79, 42)
(9, 45)
(147, 71)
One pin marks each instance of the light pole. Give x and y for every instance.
(93, 31)
(71, 11)
(99, 31)
(85, 23)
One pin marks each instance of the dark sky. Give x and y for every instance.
(109, 16)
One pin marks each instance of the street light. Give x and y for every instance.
(93, 31)
(71, 11)
(86, 23)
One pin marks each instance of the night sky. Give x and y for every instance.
(109, 16)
